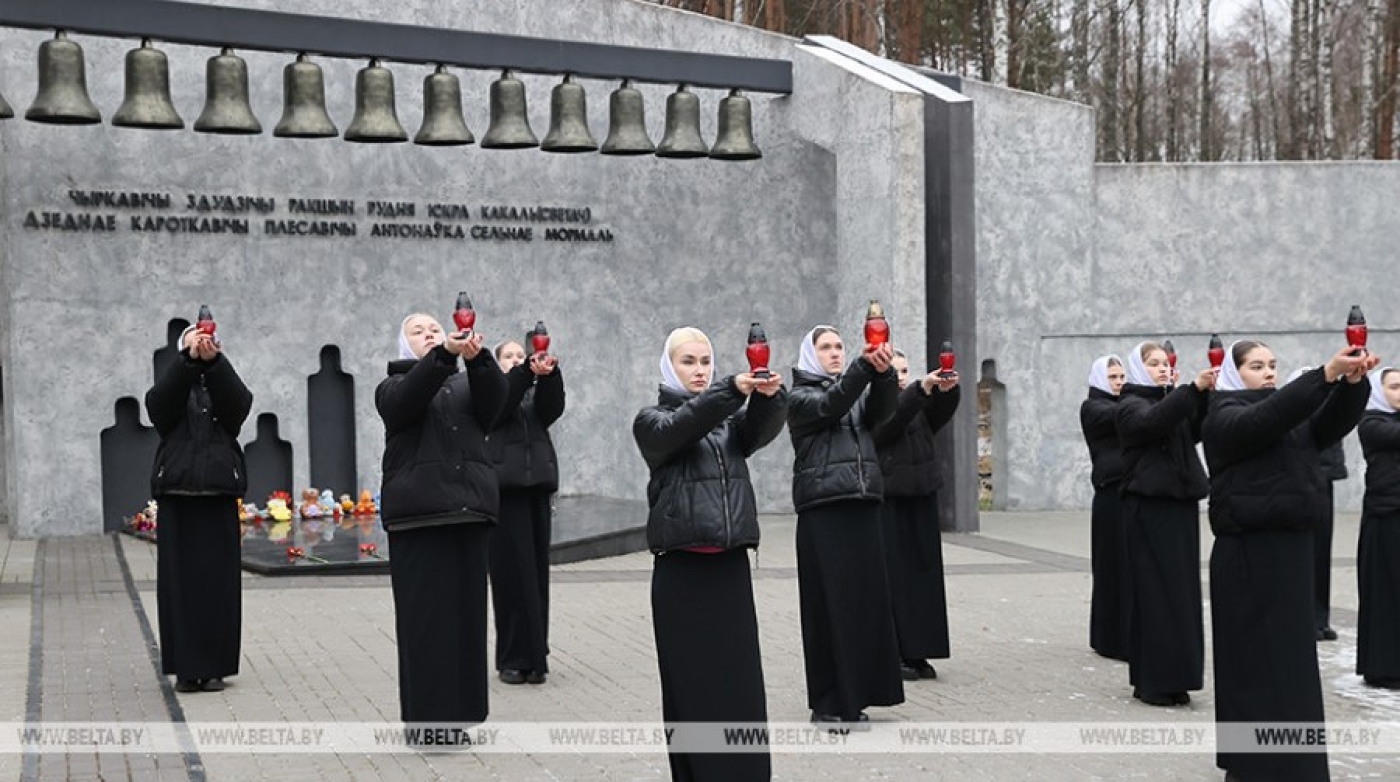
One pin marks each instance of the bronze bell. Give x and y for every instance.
(735, 140)
(568, 119)
(443, 125)
(147, 103)
(627, 124)
(226, 108)
(6, 112)
(510, 123)
(682, 138)
(376, 120)
(304, 102)
(63, 96)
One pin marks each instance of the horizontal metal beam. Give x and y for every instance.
(275, 31)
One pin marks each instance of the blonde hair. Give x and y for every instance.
(683, 335)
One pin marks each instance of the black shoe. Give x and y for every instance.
(215, 684)
(1154, 699)
(1326, 634)
(908, 670)
(1181, 698)
(513, 676)
(535, 677)
(926, 671)
(188, 685)
(1383, 682)
(1231, 776)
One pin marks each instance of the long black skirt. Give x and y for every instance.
(707, 650)
(1322, 563)
(438, 575)
(199, 591)
(1378, 578)
(1261, 594)
(1110, 604)
(520, 580)
(913, 547)
(848, 636)
(1166, 652)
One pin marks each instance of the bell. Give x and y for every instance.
(627, 126)
(304, 102)
(510, 124)
(6, 112)
(443, 125)
(375, 121)
(568, 119)
(735, 140)
(226, 108)
(147, 103)
(63, 97)
(682, 138)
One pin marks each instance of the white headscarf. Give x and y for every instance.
(1137, 371)
(1229, 379)
(1098, 373)
(405, 351)
(807, 357)
(668, 370)
(1378, 400)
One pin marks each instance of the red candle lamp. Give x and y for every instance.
(205, 322)
(1171, 354)
(1356, 330)
(877, 329)
(464, 316)
(947, 359)
(758, 352)
(1216, 351)
(539, 339)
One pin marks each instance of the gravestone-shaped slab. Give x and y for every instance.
(166, 355)
(269, 460)
(128, 449)
(330, 403)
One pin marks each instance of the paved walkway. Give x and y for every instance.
(78, 645)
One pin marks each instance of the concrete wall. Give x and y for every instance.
(829, 218)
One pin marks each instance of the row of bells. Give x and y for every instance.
(63, 99)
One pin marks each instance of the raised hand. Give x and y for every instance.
(770, 385)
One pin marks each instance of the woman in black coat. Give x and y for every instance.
(1163, 484)
(702, 521)
(1110, 606)
(1378, 555)
(438, 504)
(1266, 492)
(848, 637)
(913, 542)
(198, 405)
(528, 473)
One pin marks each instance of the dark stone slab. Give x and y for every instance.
(588, 527)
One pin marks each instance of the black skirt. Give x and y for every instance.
(913, 546)
(707, 650)
(1110, 605)
(199, 591)
(438, 575)
(1166, 652)
(848, 636)
(1261, 592)
(1322, 562)
(520, 580)
(1378, 578)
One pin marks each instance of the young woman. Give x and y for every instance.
(1378, 555)
(528, 472)
(1266, 492)
(438, 504)
(1110, 608)
(198, 407)
(702, 521)
(913, 542)
(848, 636)
(1163, 484)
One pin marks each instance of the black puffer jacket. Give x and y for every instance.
(1334, 462)
(1158, 431)
(1380, 442)
(908, 457)
(520, 446)
(697, 447)
(1098, 417)
(830, 422)
(198, 408)
(435, 466)
(1262, 447)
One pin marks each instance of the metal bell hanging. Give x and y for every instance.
(147, 103)
(376, 120)
(63, 96)
(226, 108)
(568, 119)
(735, 140)
(6, 111)
(304, 102)
(627, 126)
(510, 123)
(443, 125)
(682, 138)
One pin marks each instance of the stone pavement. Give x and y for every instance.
(79, 646)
